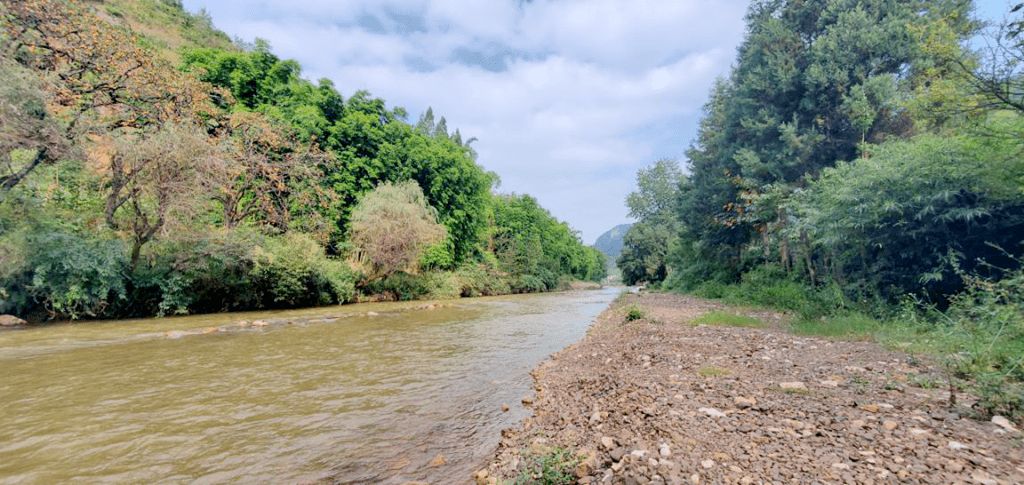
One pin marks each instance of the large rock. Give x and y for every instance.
(11, 321)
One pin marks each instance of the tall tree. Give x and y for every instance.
(812, 81)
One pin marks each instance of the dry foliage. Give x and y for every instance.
(392, 226)
(96, 76)
(156, 181)
(262, 169)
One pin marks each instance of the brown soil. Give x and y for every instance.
(659, 400)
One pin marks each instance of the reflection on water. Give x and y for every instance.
(331, 396)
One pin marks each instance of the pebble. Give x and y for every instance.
(671, 426)
(744, 403)
(438, 461)
(1004, 423)
(714, 413)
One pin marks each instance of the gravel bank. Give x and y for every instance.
(658, 401)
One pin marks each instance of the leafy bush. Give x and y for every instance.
(444, 285)
(979, 339)
(770, 286)
(294, 272)
(74, 276)
(476, 280)
(527, 283)
(240, 270)
(555, 467)
(400, 286)
(635, 313)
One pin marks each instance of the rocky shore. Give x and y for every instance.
(659, 400)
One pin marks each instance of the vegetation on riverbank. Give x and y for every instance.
(859, 168)
(150, 166)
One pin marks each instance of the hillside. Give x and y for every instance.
(153, 167)
(610, 242)
(164, 25)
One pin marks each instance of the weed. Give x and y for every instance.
(554, 467)
(892, 383)
(860, 384)
(803, 391)
(635, 313)
(713, 371)
(925, 381)
(722, 319)
(853, 326)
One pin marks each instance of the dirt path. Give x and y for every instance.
(658, 400)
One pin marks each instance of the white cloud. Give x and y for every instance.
(591, 90)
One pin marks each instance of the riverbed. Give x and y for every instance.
(371, 393)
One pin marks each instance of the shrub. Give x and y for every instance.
(554, 467)
(400, 286)
(294, 271)
(444, 285)
(979, 339)
(239, 270)
(635, 313)
(770, 286)
(75, 276)
(527, 283)
(476, 280)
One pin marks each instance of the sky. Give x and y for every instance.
(567, 98)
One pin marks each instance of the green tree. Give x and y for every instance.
(645, 245)
(813, 81)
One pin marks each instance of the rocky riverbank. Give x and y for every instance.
(659, 400)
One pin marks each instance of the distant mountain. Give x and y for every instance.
(611, 242)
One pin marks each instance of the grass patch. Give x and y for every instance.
(722, 319)
(554, 467)
(713, 371)
(803, 391)
(853, 326)
(635, 313)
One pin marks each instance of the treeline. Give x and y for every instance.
(134, 186)
(860, 160)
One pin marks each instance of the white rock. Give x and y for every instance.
(714, 413)
(664, 450)
(1004, 423)
(793, 385)
(956, 445)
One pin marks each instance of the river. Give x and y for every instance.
(368, 393)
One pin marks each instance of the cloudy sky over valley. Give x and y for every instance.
(568, 98)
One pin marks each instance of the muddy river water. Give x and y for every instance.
(326, 395)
